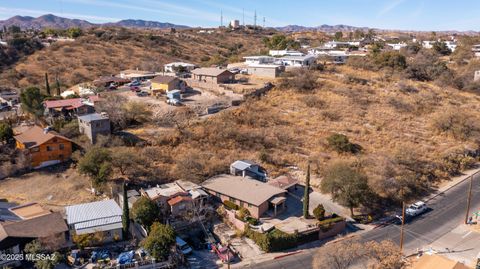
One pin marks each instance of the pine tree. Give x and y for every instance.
(126, 213)
(47, 85)
(57, 82)
(306, 198)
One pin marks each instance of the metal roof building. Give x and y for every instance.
(94, 217)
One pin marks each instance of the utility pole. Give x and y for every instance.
(243, 17)
(403, 224)
(469, 199)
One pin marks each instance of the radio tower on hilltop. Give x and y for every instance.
(255, 19)
(221, 18)
(263, 22)
(243, 17)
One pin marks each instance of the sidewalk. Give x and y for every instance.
(454, 181)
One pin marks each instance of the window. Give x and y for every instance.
(232, 199)
(49, 148)
(249, 205)
(241, 203)
(34, 149)
(219, 195)
(61, 146)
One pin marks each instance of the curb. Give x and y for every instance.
(450, 187)
(286, 255)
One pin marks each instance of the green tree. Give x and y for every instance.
(306, 194)
(338, 36)
(319, 212)
(35, 247)
(280, 42)
(47, 85)
(391, 59)
(160, 241)
(32, 101)
(145, 212)
(127, 160)
(6, 132)
(74, 32)
(96, 165)
(341, 144)
(347, 185)
(441, 48)
(126, 213)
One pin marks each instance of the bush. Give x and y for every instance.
(252, 221)
(300, 80)
(460, 124)
(242, 213)
(390, 59)
(275, 240)
(319, 212)
(231, 205)
(340, 143)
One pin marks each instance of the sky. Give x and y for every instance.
(424, 15)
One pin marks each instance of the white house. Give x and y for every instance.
(285, 53)
(452, 45)
(428, 44)
(256, 60)
(97, 217)
(336, 44)
(298, 61)
(397, 46)
(172, 67)
(476, 50)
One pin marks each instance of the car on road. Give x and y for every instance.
(416, 209)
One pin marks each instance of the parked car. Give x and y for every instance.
(135, 83)
(142, 93)
(5, 107)
(183, 246)
(416, 209)
(134, 88)
(235, 70)
(174, 102)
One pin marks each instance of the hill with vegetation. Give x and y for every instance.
(107, 51)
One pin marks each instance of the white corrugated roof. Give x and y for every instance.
(92, 211)
(242, 164)
(107, 227)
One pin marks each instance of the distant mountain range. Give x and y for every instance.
(52, 21)
(322, 28)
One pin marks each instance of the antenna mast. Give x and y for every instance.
(255, 19)
(221, 18)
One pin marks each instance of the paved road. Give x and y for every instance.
(448, 211)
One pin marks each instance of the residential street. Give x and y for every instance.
(443, 222)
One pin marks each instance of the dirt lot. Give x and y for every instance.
(53, 188)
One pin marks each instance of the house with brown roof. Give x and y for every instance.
(14, 235)
(163, 84)
(180, 204)
(254, 195)
(213, 75)
(71, 107)
(43, 146)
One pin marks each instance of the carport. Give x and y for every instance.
(277, 201)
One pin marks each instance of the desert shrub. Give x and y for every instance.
(425, 66)
(319, 212)
(341, 144)
(351, 79)
(361, 63)
(390, 59)
(406, 88)
(313, 101)
(231, 205)
(300, 80)
(460, 124)
(454, 161)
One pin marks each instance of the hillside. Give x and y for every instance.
(107, 51)
(56, 22)
(394, 121)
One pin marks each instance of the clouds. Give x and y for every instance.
(390, 6)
